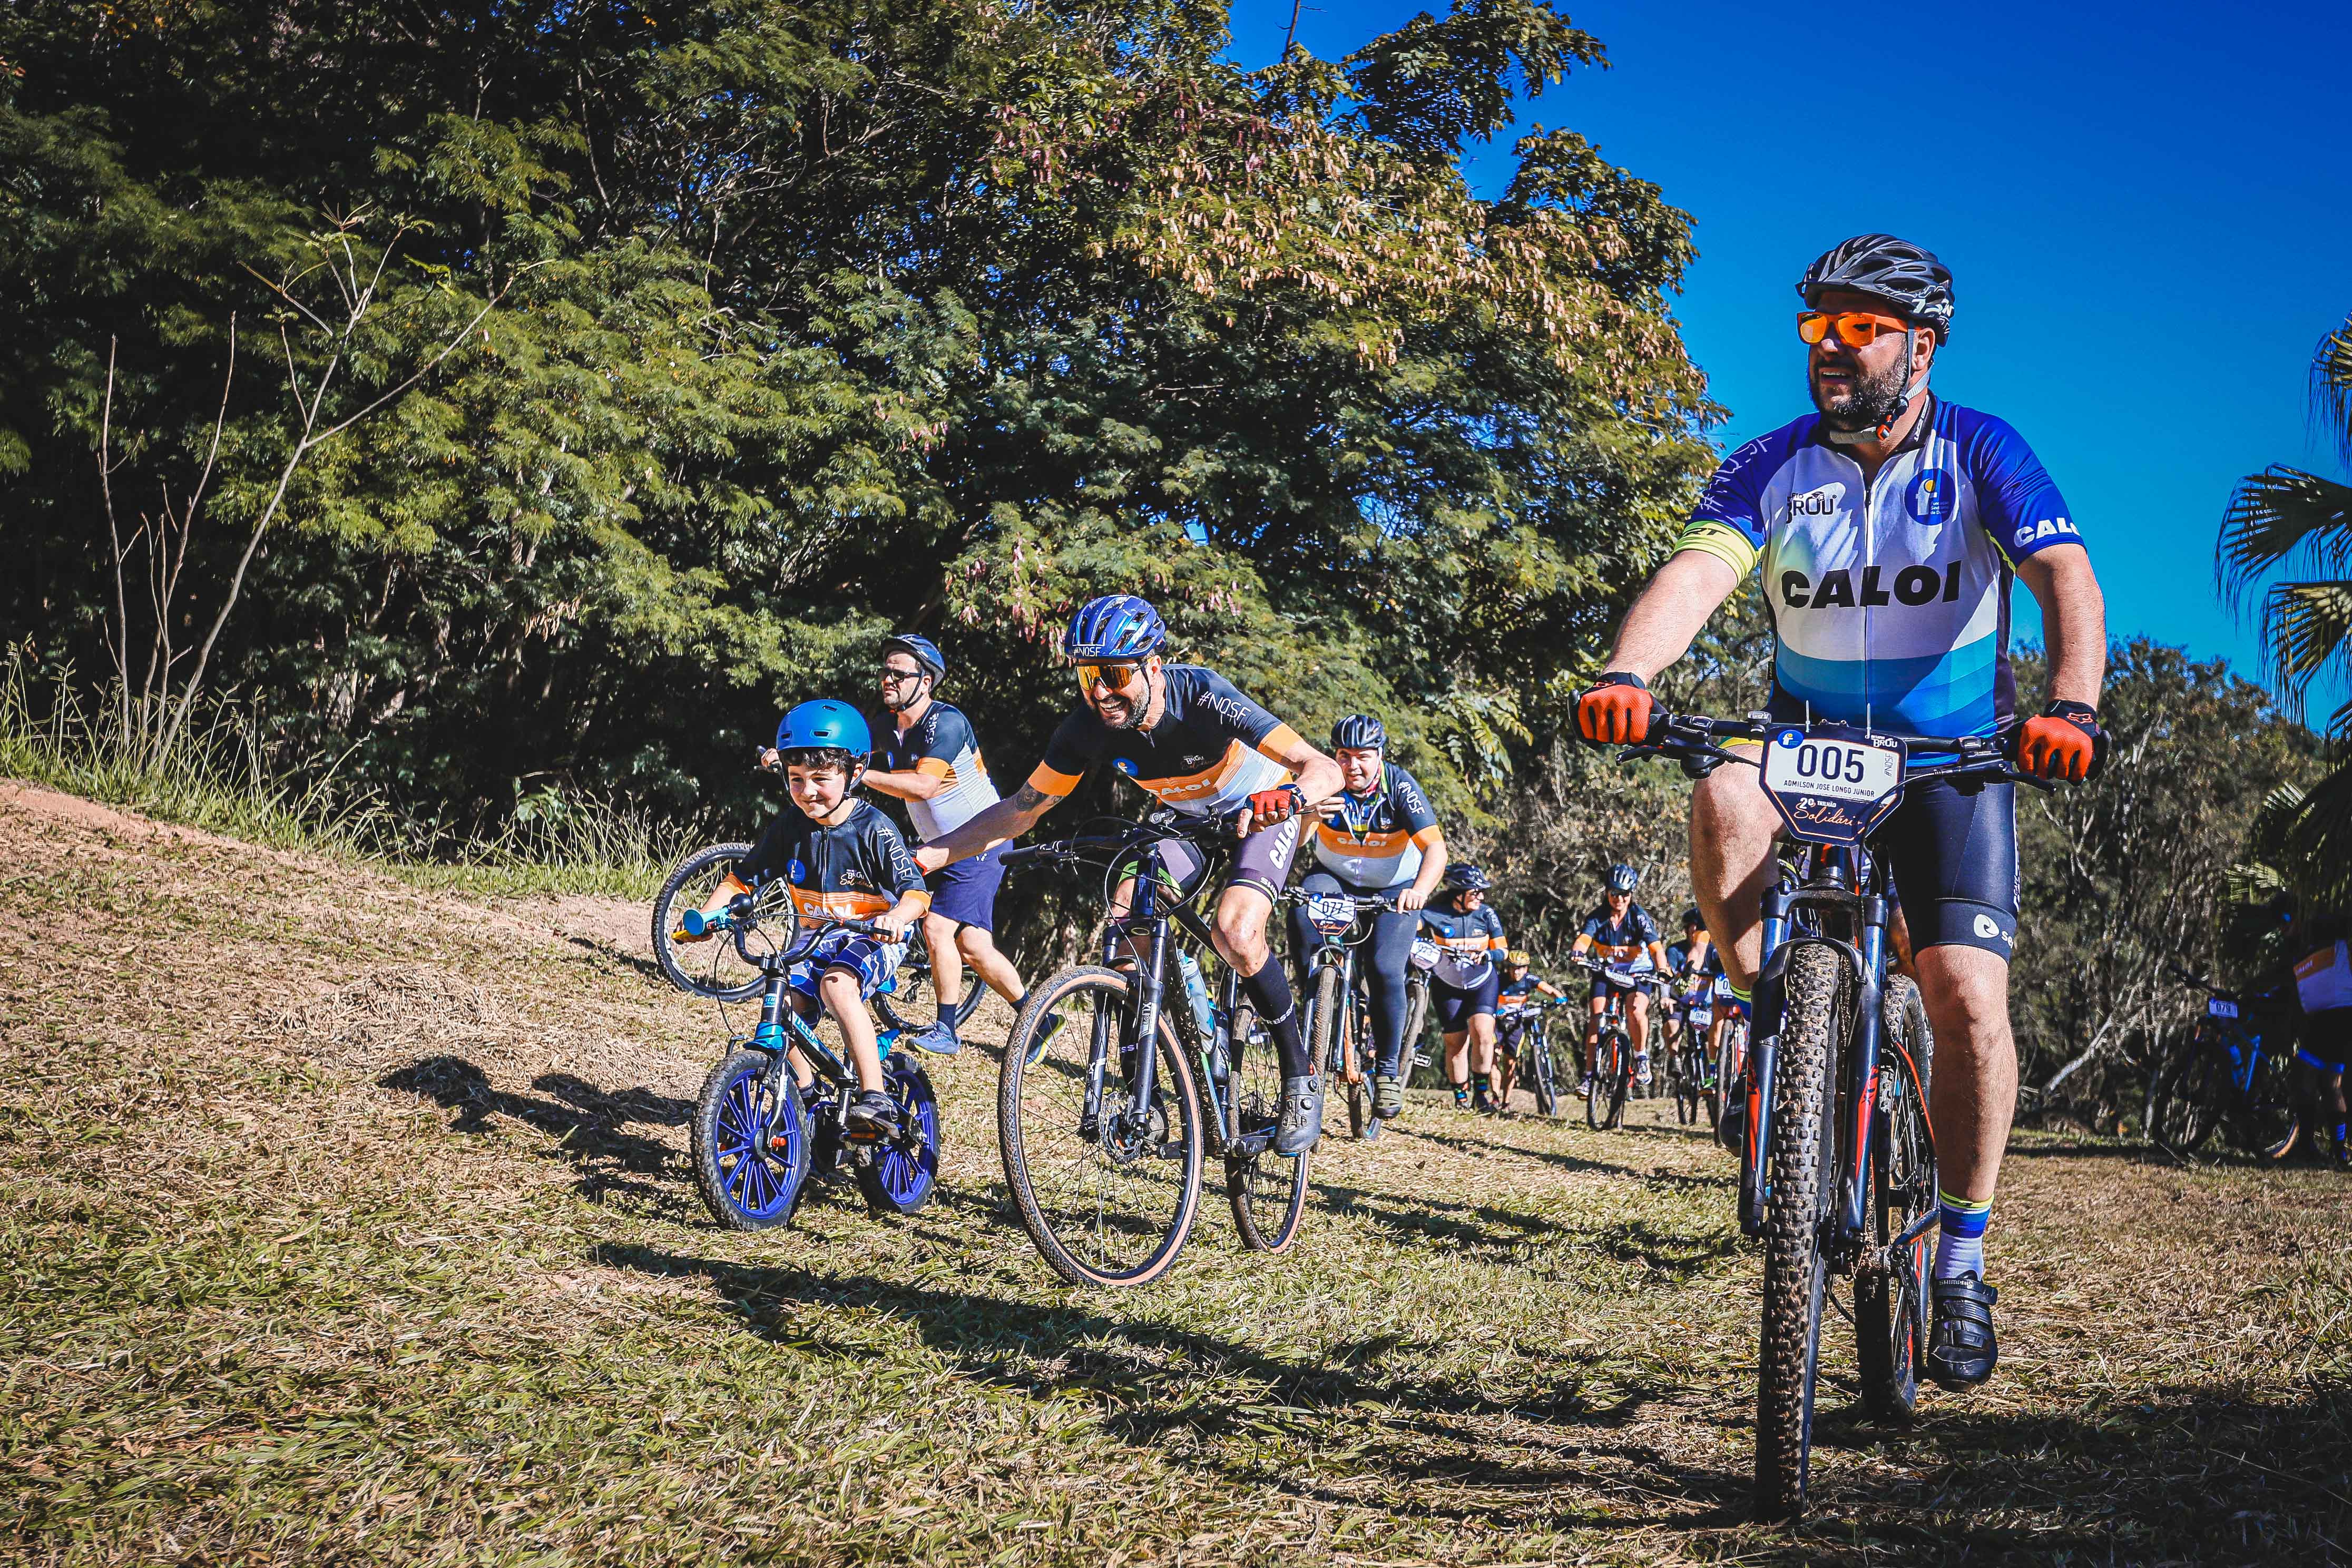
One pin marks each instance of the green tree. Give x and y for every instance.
(805, 321)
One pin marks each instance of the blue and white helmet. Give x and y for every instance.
(1360, 732)
(1117, 626)
(1622, 879)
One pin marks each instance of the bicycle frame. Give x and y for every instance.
(1151, 912)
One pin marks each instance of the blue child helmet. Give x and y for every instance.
(1117, 626)
(922, 650)
(824, 725)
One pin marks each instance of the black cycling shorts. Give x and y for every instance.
(1603, 988)
(1262, 861)
(1952, 850)
(1457, 1007)
(2323, 1039)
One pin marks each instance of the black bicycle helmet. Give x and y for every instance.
(1622, 879)
(1464, 877)
(1690, 917)
(1905, 275)
(1358, 733)
(922, 650)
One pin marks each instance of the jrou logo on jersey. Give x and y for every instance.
(1823, 502)
(1838, 589)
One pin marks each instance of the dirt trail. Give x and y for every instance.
(356, 1225)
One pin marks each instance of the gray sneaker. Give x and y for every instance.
(1302, 1116)
(937, 1039)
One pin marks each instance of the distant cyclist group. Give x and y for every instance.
(1867, 812)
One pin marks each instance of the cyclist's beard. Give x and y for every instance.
(1128, 713)
(1873, 403)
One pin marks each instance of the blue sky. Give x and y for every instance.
(2148, 210)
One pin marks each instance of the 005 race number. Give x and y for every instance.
(1798, 763)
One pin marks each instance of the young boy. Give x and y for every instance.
(840, 856)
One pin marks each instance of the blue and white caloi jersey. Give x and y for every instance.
(1890, 600)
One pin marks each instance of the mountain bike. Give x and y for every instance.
(1114, 1082)
(757, 1136)
(2236, 1070)
(1690, 1073)
(710, 966)
(1540, 1068)
(1339, 1016)
(1837, 1173)
(1613, 1049)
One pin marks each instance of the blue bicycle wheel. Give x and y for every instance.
(900, 1174)
(751, 1144)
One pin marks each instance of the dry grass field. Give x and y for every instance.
(350, 1222)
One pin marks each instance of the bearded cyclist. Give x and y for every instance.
(1620, 932)
(1377, 836)
(1186, 736)
(1889, 525)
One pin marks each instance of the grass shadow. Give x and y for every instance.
(589, 1124)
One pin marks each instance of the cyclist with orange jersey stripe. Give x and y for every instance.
(1378, 837)
(1186, 736)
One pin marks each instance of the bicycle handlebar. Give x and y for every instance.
(1695, 736)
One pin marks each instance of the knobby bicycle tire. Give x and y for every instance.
(1891, 1312)
(1796, 1268)
(682, 961)
(1178, 1093)
(751, 1142)
(1266, 1190)
(913, 1003)
(1543, 1070)
(2186, 1099)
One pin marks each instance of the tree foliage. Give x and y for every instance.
(798, 324)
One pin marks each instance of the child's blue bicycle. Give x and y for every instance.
(758, 1136)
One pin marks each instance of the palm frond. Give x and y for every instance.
(2331, 389)
(2318, 842)
(2278, 515)
(2306, 627)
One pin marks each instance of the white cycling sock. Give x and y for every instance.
(1959, 1245)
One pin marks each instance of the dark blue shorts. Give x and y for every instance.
(1457, 1007)
(965, 892)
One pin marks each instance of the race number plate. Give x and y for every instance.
(2218, 1008)
(1833, 784)
(1424, 954)
(1330, 915)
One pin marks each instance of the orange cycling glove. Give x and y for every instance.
(1268, 807)
(2064, 741)
(1615, 710)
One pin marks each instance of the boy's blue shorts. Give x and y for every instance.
(871, 959)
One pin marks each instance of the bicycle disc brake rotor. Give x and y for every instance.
(1129, 1138)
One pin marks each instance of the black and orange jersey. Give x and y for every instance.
(1627, 941)
(1376, 840)
(857, 869)
(1467, 942)
(1210, 750)
(941, 744)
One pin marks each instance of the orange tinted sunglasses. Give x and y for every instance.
(1854, 329)
(1110, 677)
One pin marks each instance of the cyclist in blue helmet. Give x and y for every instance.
(1185, 735)
(838, 856)
(928, 757)
(1621, 932)
(1377, 837)
(1464, 986)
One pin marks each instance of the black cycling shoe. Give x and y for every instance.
(1961, 1351)
(1302, 1116)
(873, 1114)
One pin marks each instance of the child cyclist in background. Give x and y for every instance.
(838, 856)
